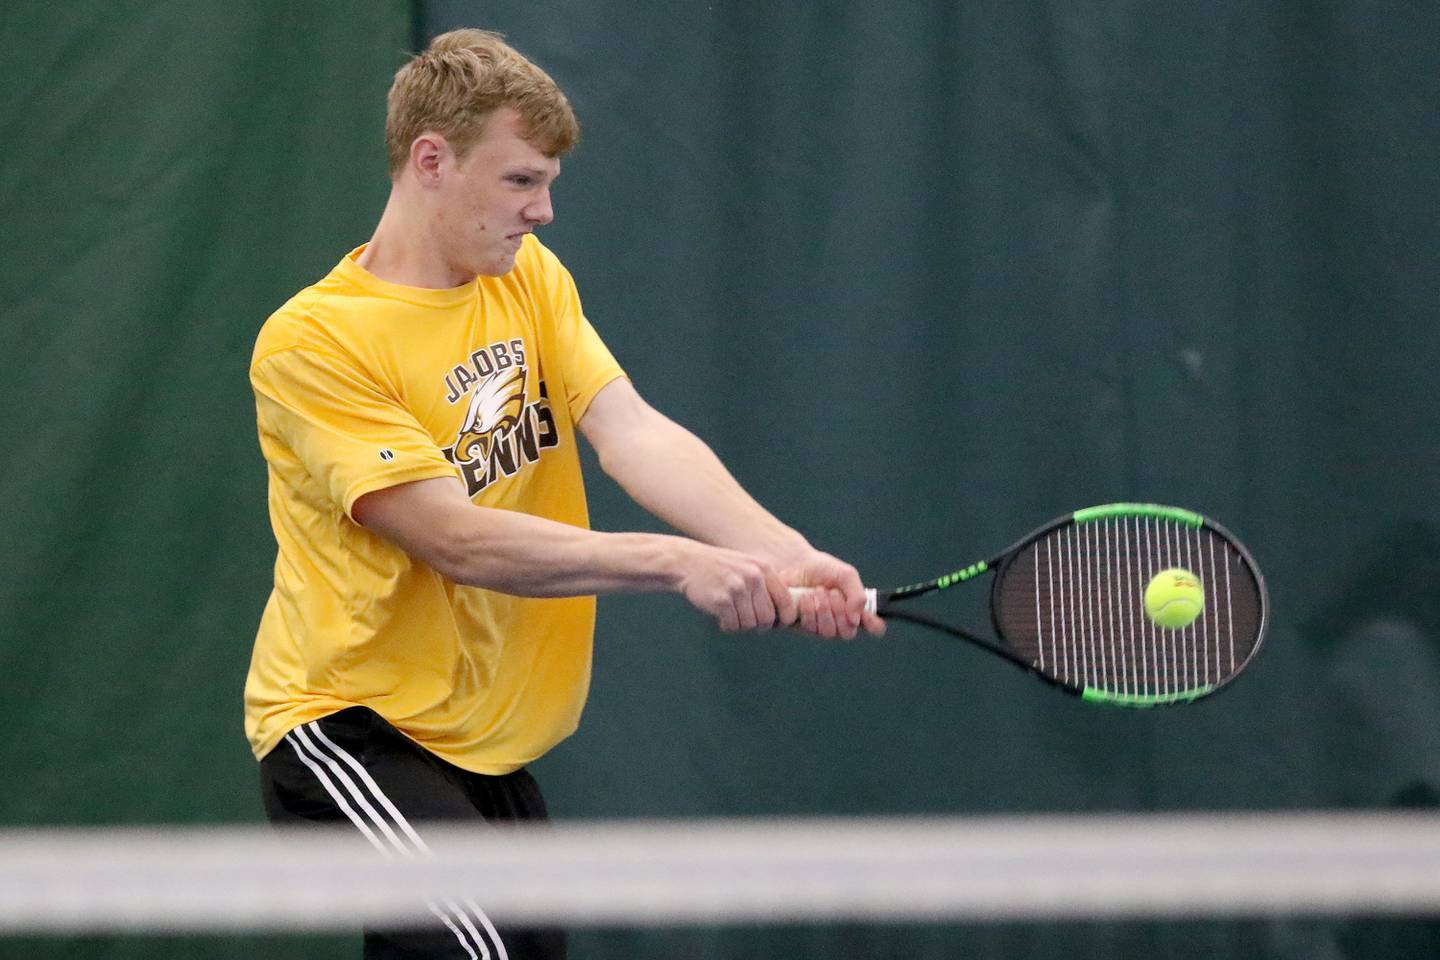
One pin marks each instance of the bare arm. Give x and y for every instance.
(672, 473)
(512, 552)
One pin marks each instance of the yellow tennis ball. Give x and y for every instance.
(1174, 598)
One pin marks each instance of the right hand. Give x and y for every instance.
(738, 590)
(834, 603)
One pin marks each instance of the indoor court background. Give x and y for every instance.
(925, 275)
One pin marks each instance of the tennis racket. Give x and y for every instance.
(1067, 605)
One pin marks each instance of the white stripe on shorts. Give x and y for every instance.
(333, 768)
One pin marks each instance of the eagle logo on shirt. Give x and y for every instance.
(500, 433)
(495, 407)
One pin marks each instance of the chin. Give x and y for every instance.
(496, 266)
(499, 268)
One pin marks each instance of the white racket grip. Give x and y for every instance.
(871, 602)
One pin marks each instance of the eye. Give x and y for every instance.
(520, 179)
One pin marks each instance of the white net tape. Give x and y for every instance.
(716, 872)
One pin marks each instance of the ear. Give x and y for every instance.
(429, 155)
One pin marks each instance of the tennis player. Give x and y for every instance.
(429, 632)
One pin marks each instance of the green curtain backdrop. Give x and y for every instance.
(170, 173)
(925, 275)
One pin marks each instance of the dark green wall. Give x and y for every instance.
(925, 277)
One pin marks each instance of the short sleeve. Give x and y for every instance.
(587, 362)
(348, 434)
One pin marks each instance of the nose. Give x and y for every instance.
(540, 211)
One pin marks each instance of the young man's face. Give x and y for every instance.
(498, 192)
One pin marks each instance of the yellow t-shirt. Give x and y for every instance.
(362, 384)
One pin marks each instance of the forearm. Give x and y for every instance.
(672, 474)
(517, 553)
(667, 470)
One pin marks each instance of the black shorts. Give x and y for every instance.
(354, 767)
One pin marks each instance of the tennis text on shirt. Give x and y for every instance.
(500, 433)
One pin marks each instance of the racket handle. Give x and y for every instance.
(871, 602)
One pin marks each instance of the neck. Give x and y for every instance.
(404, 250)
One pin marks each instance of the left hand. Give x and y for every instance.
(835, 607)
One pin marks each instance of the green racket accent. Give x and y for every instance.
(949, 580)
(960, 576)
(1142, 701)
(1110, 511)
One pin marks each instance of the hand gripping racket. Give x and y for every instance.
(1067, 604)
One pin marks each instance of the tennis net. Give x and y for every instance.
(211, 879)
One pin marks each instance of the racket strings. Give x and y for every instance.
(1084, 621)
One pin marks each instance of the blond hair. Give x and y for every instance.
(460, 79)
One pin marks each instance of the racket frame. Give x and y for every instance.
(998, 565)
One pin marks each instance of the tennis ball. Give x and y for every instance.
(1174, 598)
